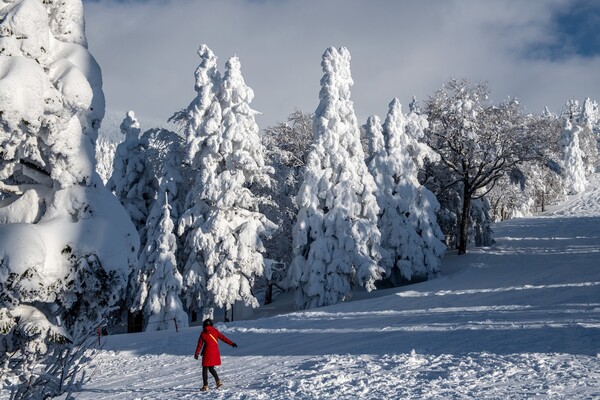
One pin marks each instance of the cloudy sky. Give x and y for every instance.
(542, 51)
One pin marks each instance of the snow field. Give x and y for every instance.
(518, 320)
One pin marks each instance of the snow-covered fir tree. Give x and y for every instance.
(159, 282)
(408, 224)
(156, 285)
(200, 123)
(336, 239)
(134, 183)
(591, 116)
(222, 225)
(130, 180)
(588, 138)
(574, 169)
(287, 145)
(105, 157)
(65, 242)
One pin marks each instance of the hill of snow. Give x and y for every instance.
(520, 319)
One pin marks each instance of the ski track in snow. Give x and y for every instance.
(517, 320)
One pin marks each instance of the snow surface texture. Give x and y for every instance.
(517, 320)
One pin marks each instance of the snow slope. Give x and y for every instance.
(517, 320)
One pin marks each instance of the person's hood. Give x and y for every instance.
(210, 329)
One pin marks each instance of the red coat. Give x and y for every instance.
(211, 355)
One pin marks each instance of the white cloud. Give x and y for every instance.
(399, 48)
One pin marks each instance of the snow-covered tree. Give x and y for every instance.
(409, 230)
(477, 143)
(200, 123)
(105, 157)
(134, 183)
(532, 185)
(574, 169)
(131, 181)
(159, 282)
(336, 239)
(287, 145)
(65, 242)
(591, 116)
(222, 225)
(588, 134)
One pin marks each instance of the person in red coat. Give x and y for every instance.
(208, 346)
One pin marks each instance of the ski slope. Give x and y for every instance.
(518, 320)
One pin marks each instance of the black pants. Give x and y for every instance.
(205, 371)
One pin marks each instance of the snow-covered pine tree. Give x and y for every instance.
(155, 288)
(159, 282)
(591, 116)
(235, 227)
(286, 145)
(200, 123)
(588, 138)
(131, 181)
(105, 157)
(574, 170)
(134, 183)
(407, 222)
(222, 224)
(65, 242)
(336, 239)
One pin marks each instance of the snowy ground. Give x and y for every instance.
(519, 320)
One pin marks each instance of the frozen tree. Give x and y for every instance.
(588, 135)
(408, 225)
(591, 116)
(134, 183)
(222, 225)
(202, 118)
(130, 180)
(477, 143)
(65, 242)
(287, 145)
(154, 291)
(336, 239)
(200, 123)
(532, 185)
(159, 281)
(105, 156)
(574, 171)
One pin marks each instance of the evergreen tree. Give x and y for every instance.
(407, 222)
(105, 156)
(336, 239)
(287, 145)
(131, 181)
(200, 123)
(159, 282)
(574, 171)
(588, 137)
(223, 226)
(65, 242)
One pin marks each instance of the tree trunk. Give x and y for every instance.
(543, 202)
(464, 220)
(269, 294)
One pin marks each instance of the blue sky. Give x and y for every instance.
(576, 27)
(543, 52)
